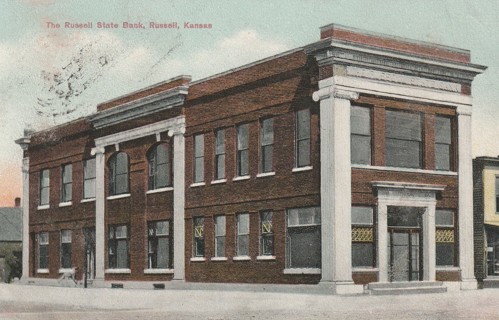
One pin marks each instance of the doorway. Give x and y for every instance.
(405, 243)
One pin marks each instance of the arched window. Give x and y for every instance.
(159, 167)
(118, 173)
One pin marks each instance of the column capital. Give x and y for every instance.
(329, 91)
(98, 150)
(464, 110)
(176, 130)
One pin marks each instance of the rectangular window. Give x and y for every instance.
(67, 183)
(497, 194)
(303, 241)
(65, 249)
(403, 139)
(220, 154)
(158, 242)
(360, 138)
(199, 158)
(198, 249)
(118, 247)
(302, 139)
(43, 250)
(220, 236)
(266, 234)
(242, 150)
(443, 143)
(44, 187)
(362, 237)
(243, 229)
(445, 238)
(89, 179)
(266, 145)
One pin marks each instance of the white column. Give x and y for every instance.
(465, 198)
(178, 202)
(100, 205)
(382, 233)
(25, 209)
(429, 249)
(335, 182)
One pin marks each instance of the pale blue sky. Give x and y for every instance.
(243, 31)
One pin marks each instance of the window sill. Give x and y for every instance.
(218, 259)
(447, 268)
(364, 269)
(65, 204)
(197, 184)
(300, 169)
(159, 190)
(241, 258)
(302, 271)
(43, 271)
(87, 200)
(43, 207)
(240, 178)
(198, 259)
(119, 271)
(119, 196)
(158, 271)
(219, 181)
(265, 258)
(265, 174)
(400, 169)
(66, 270)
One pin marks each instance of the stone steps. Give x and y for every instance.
(402, 288)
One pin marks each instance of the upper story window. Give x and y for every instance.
(497, 194)
(443, 143)
(403, 132)
(89, 179)
(220, 154)
(67, 183)
(159, 167)
(199, 158)
(360, 138)
(44, 187)
(118, 173)
(302, 139)
(266, 145)
(242, 150)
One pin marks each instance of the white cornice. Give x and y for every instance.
(407, 186)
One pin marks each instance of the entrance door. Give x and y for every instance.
(405, 245)
(89, 272)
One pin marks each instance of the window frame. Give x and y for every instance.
(113, 174)
(266, 145)
(219, 252)
(313, 228)
(365, 225)
(153, 164)
(66, 196)
(153, 240)
(43, 187)
(66, 247)
(420, 142)
(198, 243)
(242, 152)
(89, 179)
(446, 227)
(450, 144)
(198, 167)
(299, 139)
(113, 241)
(219, 152)
(45, 245)
(266, 233)
(362, 135)
(242, 233)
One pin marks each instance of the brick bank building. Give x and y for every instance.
(344, 162)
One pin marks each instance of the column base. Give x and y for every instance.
(341, 287)
(98, 283)
(469, 284)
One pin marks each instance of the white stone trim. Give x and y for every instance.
(240, 178)
(177, 132)
(87, 200)
(66, 270)
(266, 174)
(159, 190)
(302, 271)
(42, 271)
(300, 169)
(198, 259)
(218, 259)
(158, 271)
(241, 258)
(100, 205)
(197, 184)
(65, 204)
(119, 196)
(265, 258)
(219, 181)
(118, 271)
(364, 269)
(43, 207)
(400, 169)
(447, 268)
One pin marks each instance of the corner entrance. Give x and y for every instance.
(405, 243)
